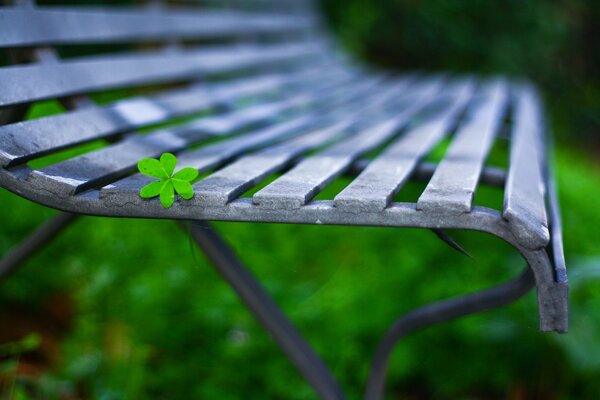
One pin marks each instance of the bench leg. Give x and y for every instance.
(34, 242)
(440, 312)
(285, 334)
(299, 351)
(266, 311)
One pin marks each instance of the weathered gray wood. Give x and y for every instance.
(233, 180)
(212, 156)
(295, 188)
(452, 187)
(330, 91)
(26, 83)
(23, 141)
(289, 139)
(524, 196)
(374, 189)
(236, 178)
(108, 164)
(62, 25)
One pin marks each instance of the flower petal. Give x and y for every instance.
(184, 188)
(152, 167)
(167, 196)
(169, 162)
(152, 190)
(186, 174)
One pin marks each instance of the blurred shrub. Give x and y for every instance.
(154, 321)
(553, 43)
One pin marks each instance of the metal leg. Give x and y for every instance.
(302, 355)
(38, 239)
(440, 312)
(266, 311)
(285, 334)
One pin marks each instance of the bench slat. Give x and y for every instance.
(524, 195)
(23, 141)
(303, 182)
(60, 25)
(236, 178)
(233, 180)
(108, 164)
(113, 162)
(26, 83)
(452, 187)
(211, 156)
(374, 189)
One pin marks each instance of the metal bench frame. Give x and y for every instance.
(530, 221)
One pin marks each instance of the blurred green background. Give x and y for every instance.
(127, 309)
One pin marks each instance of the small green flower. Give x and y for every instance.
(168, 182)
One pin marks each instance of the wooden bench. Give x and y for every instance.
(259, 91)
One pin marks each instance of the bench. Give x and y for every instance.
(259, 91)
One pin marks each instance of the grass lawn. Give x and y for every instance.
(129, 309)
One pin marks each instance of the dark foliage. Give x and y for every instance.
(554, 43)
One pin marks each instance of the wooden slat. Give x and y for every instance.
(23, 141)
(26, 83)
(228, 183)
(452, 187)
(374, 189)
(233, 180)
(303, 182)
(108, 164)
(61, 25)
(524, 196)
(111, 163)
(211, 156)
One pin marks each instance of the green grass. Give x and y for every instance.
(153, 320)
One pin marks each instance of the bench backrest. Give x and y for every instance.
(68, 53)
(153, 44)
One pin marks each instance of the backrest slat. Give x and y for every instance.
(26, 83)
(59, 26)
(23, 141)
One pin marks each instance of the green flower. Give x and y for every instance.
(168, 182)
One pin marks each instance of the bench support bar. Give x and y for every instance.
(44, 234)
(436, 313)
(300, 352)
(278, 325)
(266, 311)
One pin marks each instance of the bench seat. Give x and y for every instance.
(272, 114)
